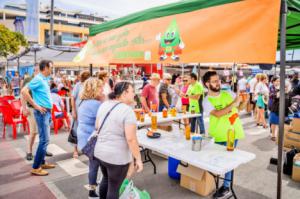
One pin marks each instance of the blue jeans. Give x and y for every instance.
(94, 165)
(160, 108)
(228, 175)
(200, 122)
(43, 125)
(16, 91)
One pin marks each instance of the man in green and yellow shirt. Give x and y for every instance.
(220, 105)
(195, 94)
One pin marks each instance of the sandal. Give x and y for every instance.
(273, 138)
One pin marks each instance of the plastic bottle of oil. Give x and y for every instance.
(187, 132)
(231, 133)
(154, 121)
(165, 112)
(230, 139)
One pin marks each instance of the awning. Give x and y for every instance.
(189, 31)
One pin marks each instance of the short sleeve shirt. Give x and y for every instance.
(164, 89)
(149, 92)
(112, 146)
(76, 92)
(15, 82)
(196, 89)
(41, 91)
(242, 83)
(208, 107)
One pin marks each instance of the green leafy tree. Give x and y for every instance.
(10, 42)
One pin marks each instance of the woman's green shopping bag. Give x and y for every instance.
(129, 191)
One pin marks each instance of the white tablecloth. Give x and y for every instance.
(160, 118)
(213, 157)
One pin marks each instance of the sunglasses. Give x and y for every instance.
(185, 80)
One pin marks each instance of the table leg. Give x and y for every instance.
(217, 180)
(196, 125)
(148, 158)
(231, 186)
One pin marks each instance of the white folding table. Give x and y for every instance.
(161, 119)
(213, 158)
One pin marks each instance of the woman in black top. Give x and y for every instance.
(274, 115)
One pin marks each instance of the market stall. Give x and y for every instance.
(200, 31)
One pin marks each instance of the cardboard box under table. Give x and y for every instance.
(291, 139)
(296, 168)
(196, 180)
(296, 125)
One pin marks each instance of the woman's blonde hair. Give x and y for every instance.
(91, 88)
(102, 75)
(263, 77)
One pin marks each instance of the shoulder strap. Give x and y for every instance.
(80, 103)
(106, 117)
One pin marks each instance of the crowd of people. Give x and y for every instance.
(94, 98)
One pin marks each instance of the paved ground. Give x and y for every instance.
(255, 180)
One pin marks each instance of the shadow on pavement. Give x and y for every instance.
(264, 144)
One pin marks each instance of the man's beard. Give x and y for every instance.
(214, 89)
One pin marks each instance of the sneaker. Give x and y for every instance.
(49, 154)
(93, 194)
(48, 166)
(29, 156)
(39, 172)
(222, 193)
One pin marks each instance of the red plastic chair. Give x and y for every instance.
(10, 119)
(58, 121)
(62, 93)
(16, 106)
(8, 97)
(3, 103)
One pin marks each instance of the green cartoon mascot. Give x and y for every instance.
(171, 44)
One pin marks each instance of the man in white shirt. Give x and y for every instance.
(252, 84)
(242, 84)
(242, 87)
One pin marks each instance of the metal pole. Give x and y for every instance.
(282, 96)
(199, 71)
(133, 72)
(19, 71)
(6, 64)
(51, 24)
(293, 55)
(34, 57)
(91, 69)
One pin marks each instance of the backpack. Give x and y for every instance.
(288, 162)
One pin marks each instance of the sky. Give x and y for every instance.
(111, 8)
